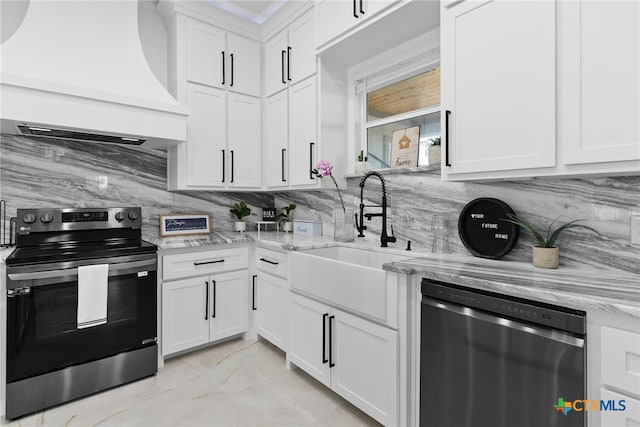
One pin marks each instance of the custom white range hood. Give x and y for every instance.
(76, 69)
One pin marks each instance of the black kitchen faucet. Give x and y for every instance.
(384, 237)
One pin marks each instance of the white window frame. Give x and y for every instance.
(404, 61)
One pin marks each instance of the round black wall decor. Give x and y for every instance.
(483, 230)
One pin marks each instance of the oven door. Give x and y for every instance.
(42, 333)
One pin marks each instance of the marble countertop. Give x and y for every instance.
(582, 289)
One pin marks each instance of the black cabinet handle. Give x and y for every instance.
(253, 302)
(361, 8)
(232, 164)
(231, 56)
(284, 152)
(223, 173)
(209, 262)
(331, 364)
(324, 338)
(269, 262)
(223, 67)
(311, 144)
(289, 63)
(447, 113)
(355, 12)
(284, 52)
(206, 299)
(213, 309)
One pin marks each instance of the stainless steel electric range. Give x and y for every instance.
(81, 306)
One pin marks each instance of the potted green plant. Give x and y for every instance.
(284, 218)
(435, 152)
(546, 254)
(240, 210)
(362, 165)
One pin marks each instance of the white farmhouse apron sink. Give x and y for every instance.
(350, 278)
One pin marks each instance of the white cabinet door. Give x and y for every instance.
(307, 343)
(275, 141)
(498, 82)
(301, 58)
(229, 304)
(334, 18)
(206, 136)
(185, 315)
(275, 63)
(366, 366)
(270, 309)
(244, 65)
(618, 416)
(205, 47)
(599, 79)
(244, 141)
(303, 134)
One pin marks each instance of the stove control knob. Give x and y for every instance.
(29, 218)
(120, 216)
(46, 218)
(133, 215)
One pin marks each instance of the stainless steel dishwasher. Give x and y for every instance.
(490, 360)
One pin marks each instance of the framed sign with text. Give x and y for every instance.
(184, 224)
(404, 147)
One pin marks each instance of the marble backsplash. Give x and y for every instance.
(414, 198)
(43, 172)
(40, 172)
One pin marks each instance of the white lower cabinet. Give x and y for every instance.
(203, 309)
(269, 302)
(356, 358)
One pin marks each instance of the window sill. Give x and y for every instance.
(427, 170)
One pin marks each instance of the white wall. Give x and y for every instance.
(153, 37)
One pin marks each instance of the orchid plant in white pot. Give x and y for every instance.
(343, 217)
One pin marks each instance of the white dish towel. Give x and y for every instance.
(92, 295)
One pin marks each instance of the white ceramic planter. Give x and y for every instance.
(287, 226)
(435, 155)
(546, 257)
(240, 226)
(362, 167)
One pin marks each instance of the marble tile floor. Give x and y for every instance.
(237, 383)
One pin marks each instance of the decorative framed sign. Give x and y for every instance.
(184, 224)
(404, 147)
(268, 214)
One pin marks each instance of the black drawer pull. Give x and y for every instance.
(331, 364)
(269, 262)
(206, 299)
(253, 303)
(213, 314)
(208, 262)
(324, 338)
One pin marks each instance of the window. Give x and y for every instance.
(404, 96)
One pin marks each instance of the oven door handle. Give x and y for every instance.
(114, 270)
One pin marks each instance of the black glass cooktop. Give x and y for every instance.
(71, 251)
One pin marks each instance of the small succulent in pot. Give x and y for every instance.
(546, 254)
(240, 210)
(284, 218)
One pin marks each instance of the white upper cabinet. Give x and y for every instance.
(275, 141)
(552, 90)
(220, 59)
(498, 86)
(244, 65)
(206, 137)
(205, 52)
(290, 55)
(303, 133)
(244, 141)
(599, 79)
(336, 17)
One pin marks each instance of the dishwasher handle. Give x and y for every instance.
(552, 334)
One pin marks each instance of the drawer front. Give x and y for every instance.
(621, 360)
(271, 262)
(624, 411)
(203, 263)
